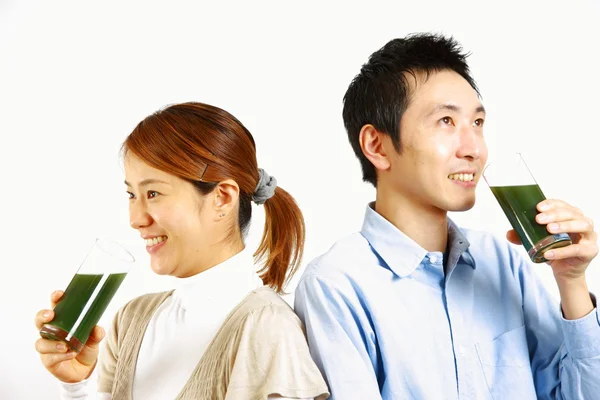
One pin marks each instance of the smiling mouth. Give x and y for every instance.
(462, 177)
(155, 241)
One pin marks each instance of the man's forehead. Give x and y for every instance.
(443, 89)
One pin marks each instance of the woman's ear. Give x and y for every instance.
(226, 196)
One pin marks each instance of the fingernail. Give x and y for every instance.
(46, 314)
(544, 207)
(542, 218)
(61, 347)
(553, 227)
(549, 254)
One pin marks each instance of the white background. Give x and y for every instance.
(76, 77)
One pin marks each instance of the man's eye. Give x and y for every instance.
(130, 195)
(479, 122)
(152, 194)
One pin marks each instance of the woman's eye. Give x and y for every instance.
(447, 121)
(130, 195)
(152, 194)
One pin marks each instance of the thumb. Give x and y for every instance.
(96, 337)
(513, 237)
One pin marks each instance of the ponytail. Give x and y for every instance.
(282, 243)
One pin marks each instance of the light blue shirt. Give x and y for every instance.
(385, 321)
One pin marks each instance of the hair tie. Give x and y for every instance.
(265, 189)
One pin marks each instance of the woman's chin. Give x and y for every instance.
(161, 268)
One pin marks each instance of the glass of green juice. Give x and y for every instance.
(518, 194)
(88, 294)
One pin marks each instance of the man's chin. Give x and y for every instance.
(463, 206)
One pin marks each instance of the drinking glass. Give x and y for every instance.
(88, 294)
(518, 194)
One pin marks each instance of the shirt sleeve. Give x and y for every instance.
(340, 338)
(564, 354)
(78, 391)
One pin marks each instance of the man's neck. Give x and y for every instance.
(427, 226)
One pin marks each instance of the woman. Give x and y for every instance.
(191, 174)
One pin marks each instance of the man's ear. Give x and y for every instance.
(371, 143)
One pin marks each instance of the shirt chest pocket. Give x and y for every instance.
(506, 365)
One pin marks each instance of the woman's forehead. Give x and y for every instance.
(137, 170)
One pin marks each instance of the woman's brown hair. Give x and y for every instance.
(205, 145)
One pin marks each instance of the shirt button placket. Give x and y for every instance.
(460, 350)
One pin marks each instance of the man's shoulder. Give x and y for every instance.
(343, 257)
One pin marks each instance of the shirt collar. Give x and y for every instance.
(230, 279)
(402, 254)
(459, 246)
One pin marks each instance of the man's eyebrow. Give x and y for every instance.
(443, 107)
(452, 107)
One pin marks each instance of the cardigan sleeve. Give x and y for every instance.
(107, 362)
(273, 358)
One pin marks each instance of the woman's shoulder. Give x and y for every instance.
(263, 306)
(270, 347)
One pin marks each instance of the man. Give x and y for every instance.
(413, 307)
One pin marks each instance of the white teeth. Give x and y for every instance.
(462, 177)
(156, 240)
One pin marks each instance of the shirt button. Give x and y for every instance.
(432, 259)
